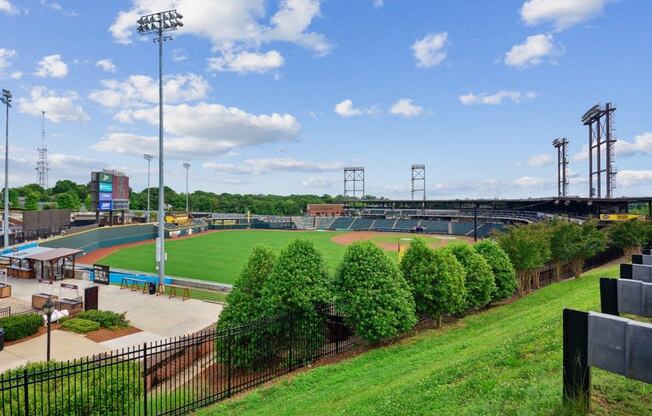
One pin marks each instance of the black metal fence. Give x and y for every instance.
(175, 376)
(6, 311)
(547, 273)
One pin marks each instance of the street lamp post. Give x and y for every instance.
(187, 166)
(148, 158)
(156, 24)
(48, 308)
(6, 100)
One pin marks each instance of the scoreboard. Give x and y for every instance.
(109, 191)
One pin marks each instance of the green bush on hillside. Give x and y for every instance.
(21, 326)
(501, 266)
(372, 294)
(528, 248)
(298, 287)
(436, 279)
(244, 305)
(628, 236)
(479, 279)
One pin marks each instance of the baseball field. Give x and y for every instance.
(219, 256)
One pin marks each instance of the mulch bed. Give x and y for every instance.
(104, 334)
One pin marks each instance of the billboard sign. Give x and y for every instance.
(120, 187)
(105, 177)
(105, 187)
(106, 196)
(105, 206)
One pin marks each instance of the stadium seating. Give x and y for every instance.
(383, 225)
(405, 225)
(362, 224)
(463, 228)
(324, 223)
(304, 223)
(341, 223)
(434, 226)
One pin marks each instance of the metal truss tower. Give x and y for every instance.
(354, 182)
(599, 119)
(419, 180)
(562, 164)
(42, 165)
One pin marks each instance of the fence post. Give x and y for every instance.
(26, 391)
(577, 373)
(228, 361)
(609, 296)
(145, 378)
(291, 341)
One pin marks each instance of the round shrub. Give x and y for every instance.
(479, 280)
(248, 349)
(299, 282)
(372, 294)
(436, 279)
(21, 326)
(106, 319)
(80, 325)
(501, 266)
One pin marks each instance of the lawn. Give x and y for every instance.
(503, 361)
(219, 256)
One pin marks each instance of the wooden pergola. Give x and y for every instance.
(53, 264)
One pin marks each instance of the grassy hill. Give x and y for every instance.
(507, 360)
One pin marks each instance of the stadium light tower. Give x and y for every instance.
(6, 100)
(187, 166)
(148, 158)
(157, 24)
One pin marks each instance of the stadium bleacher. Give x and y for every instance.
(462, 228)
(362, 224)
(434, 226)
(341, 223)
(304, 223)
(324, 223)
(405, 225)
(383, 225)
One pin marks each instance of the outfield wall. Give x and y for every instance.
(97, 238)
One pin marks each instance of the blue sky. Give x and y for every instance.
(278, 96)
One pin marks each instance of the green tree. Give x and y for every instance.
(478, 278)
(68, 200)
(372, 294)
(436, 279)
(245, 305)
(31, 201)
(628, 236)
(501, 266)
(528, 248)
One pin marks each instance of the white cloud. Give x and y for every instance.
(628, 178)
(318, 182)
(141, 90)
(6, 56)
(261, 166)
(543, 159)
(642, 144)
(178, 55)
(405, 107)
(379, 3)
(561, 13)
(203, 130)
(7, 7)
(496, 98)
(52, 66)
(16, 75)
(244, 62)
(233, 25)
(106, 65)
(345, 108)
(63, 107)
(529, 182)
(430, 51)
(532, 52)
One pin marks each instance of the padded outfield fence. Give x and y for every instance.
(175, 376)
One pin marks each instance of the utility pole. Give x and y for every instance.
(6, 100)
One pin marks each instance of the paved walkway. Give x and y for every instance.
(158, 317)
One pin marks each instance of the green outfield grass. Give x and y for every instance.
(505, 361)
(220, 256)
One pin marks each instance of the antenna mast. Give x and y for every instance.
(42, 166)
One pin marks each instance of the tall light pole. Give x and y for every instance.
(187, 166)
(148, 158)
(6, 100)
(156, 24)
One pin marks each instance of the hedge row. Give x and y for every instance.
(21, 326)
